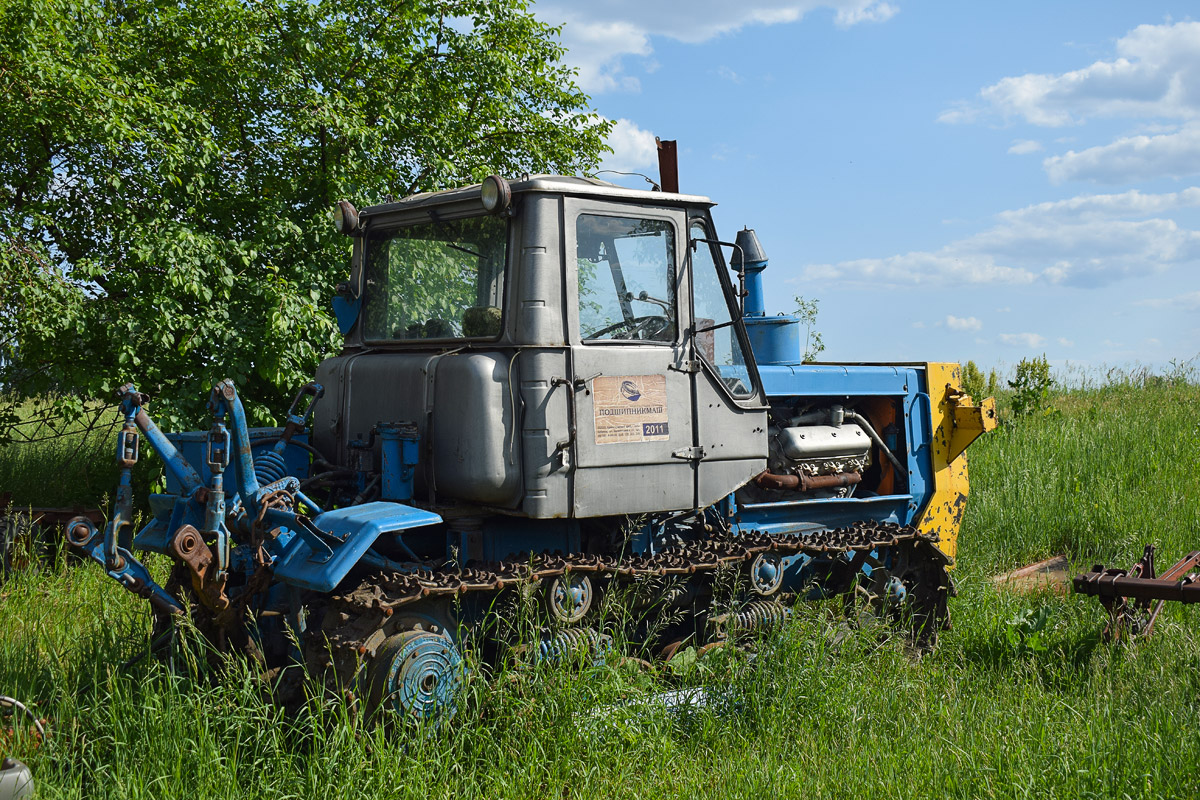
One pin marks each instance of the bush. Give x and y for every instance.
(974, 383)
(1031, 386)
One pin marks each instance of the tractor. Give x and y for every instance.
(555, 394)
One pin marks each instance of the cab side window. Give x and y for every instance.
(717, 341)
(626, 269)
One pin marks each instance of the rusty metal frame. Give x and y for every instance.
(1134, 597)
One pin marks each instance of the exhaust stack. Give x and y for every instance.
(668, 165)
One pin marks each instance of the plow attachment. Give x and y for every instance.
(1134, 597)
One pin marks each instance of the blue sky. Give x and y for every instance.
(951, 180)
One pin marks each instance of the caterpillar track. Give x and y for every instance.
(354, 625)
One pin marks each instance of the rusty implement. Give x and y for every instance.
(1134, 597)
(25, 531)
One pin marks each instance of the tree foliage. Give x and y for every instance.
(167, 169)
(806, 312)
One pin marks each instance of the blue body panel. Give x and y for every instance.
(356, 528)
(902, 381)
(191, 445)
(813, 515)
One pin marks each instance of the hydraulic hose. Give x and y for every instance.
(866, 426)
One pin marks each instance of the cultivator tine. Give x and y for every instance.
(1134, 597)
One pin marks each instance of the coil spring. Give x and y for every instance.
(759, 615)
(269, 467)
(571, 641)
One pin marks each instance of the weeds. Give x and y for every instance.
(1031, 386)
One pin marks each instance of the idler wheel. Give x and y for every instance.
(569, 598)
(417, 674)
(766, 574)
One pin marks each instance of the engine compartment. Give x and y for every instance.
(831, 447)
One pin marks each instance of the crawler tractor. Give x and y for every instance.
(555, 394)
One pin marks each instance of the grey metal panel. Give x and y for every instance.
(469, 454)
(545, 425)
(538, 260)
(734, 440)
(475, 454)
(630, 363)
(362, 389)
(719, 478)
(327, 416)
(634, 489)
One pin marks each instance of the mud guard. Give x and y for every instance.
(351, 532)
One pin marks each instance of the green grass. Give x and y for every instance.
(810, 714)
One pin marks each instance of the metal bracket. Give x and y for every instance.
(689, 453)
(688, 365)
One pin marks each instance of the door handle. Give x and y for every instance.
(583, 384)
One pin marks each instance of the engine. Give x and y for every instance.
(821, 452)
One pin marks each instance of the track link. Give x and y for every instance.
(357, 621)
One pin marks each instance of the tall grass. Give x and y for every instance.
(819, 711)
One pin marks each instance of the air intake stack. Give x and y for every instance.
(774, 340)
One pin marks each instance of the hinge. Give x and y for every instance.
(687, 365)
(689, 453)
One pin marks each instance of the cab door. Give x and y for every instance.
(731, 408)
(632, 402)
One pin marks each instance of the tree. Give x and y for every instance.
(167, 170)
(806, 312)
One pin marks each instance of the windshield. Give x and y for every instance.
(439, 280)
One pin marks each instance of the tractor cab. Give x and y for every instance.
(565, 348)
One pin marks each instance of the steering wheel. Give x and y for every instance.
(646, 328)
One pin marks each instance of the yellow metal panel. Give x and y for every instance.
(956, 423)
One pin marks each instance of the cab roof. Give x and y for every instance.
(560, 184)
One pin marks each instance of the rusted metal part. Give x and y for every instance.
(1049, 575)
(807, 483)
(22, 529)
(50, 515)
(1134, 597)
(668, 165)
(376, 603)
(189, 548)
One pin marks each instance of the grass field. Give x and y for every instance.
(998, 710)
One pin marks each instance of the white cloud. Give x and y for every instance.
(728, 74)
(1084, 241)
(961, 114)
(634, 148)
(944, 267)
(1023, 147)
(1065, 342)
(1189, 301)
(1156, 74)
(853, 13)
(1168, 155)
(1022, 339)
(1105, 206)
(599, 35)
(596, 49)
(962, 323)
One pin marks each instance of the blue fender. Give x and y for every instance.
(349, 532)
